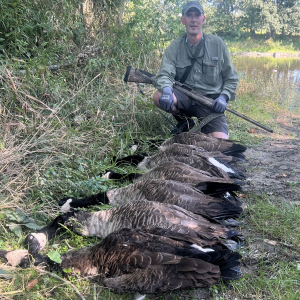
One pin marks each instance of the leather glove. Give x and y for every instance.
(219, 104)
(166, 100)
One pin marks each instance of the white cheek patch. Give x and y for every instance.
(138, 296)
(66, 207)
(107, 175)
(219, 165)
(14, 258)
(202, 249)
(134, 148)
(42, 239)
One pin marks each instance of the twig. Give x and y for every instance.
(65, 281)
(70, 247)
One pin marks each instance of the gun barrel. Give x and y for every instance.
(208, 102)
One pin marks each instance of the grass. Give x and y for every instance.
(277, 219)
(58, 134)
(260, 44)
(271, 280)
(271, 273)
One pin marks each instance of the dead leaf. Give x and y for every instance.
(282, 175)
(31, 284)
(270, 242)
(252, 130)
(242, 196)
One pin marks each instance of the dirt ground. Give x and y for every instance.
(273, 169)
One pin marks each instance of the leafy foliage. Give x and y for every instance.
(55, 256)
(31, 28)
(20, 219)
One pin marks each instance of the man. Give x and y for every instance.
(211, 73)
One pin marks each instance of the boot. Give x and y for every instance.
(184, 124)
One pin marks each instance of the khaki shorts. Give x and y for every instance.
(193, 108)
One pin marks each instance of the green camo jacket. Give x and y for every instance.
(212, 73)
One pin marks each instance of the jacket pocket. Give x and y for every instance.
(181, 67)
(211, 73)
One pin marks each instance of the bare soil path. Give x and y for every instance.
(274, 168)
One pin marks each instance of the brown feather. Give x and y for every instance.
(188, 154)
(177, 193)
(135, 268)
(204, 141)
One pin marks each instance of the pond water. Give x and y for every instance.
(283, 74)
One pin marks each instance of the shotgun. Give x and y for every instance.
(140, 76)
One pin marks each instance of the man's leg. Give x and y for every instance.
(221, 135)
(196, 110)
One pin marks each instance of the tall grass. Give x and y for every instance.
(60, 129)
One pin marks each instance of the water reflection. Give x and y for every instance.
(283, 72)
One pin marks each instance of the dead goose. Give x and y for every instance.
(208, 143)
(184, 173)
(164, 191)
(140, 261)
(190, 155)
(137, 214)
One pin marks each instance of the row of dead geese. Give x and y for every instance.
(171, 228)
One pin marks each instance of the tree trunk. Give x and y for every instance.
(121, 12)
(271, 33)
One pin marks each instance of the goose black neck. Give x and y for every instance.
(132, 160)
(100, 198)
(55, 225)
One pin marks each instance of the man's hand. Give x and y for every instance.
(219, 104)
(166, 100)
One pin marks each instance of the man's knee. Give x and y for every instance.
(220, 135)
(156, 97)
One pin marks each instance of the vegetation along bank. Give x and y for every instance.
(60, 126)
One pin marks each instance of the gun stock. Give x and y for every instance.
(140, 76)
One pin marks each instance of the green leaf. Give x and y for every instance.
(16, 229)
(55, 256)
(22, 216)
(17, 216)
(33, 226)
(67, 270)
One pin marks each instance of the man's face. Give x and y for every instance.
(193, 21)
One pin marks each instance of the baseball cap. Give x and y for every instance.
(192, 4)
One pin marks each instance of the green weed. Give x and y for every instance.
(275, 218)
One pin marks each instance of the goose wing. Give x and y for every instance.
(208, 143)
(153, 214)
(130, 263)
(177, 193)
(138, 261)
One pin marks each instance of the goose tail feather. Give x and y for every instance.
(236, 150)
